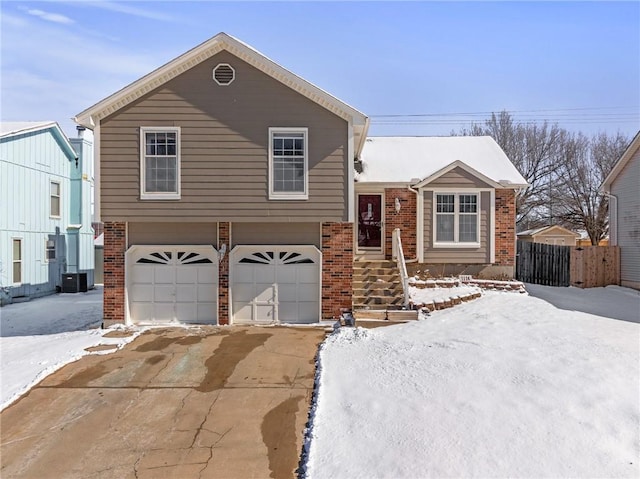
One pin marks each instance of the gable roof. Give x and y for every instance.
(413, 159)
(621, 163)
(10, 129)
(222, 41)
(547, 229)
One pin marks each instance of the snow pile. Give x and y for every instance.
(40, 336)
(504, 386)
(26, 360)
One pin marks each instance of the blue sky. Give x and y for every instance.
(575, 63)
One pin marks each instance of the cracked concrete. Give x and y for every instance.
(175, 403)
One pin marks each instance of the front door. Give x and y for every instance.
(370, 222)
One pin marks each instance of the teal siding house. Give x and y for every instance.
(46, 186)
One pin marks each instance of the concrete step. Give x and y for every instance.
(374, 264)
(370, 301)
(385, 292)
(390, 315)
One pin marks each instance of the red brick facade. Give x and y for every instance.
(337, 268)
(405, 220)
(223, 274)
(505, 227)
(115, 246)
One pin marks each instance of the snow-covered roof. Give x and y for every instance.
(403, 159)
(10, 128)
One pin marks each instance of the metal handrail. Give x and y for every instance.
(398, 253)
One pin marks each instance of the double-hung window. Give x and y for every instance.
(160, 163)
(288, 163)
(54, 203)
(457, 219)
(17, 261)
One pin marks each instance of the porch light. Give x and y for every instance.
(397, 205)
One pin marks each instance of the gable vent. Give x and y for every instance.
(224, 74)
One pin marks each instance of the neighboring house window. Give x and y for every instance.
(50, 250)
(55, 199)
(17, 261)
(160, 163)
(457, 218)
(288, 163)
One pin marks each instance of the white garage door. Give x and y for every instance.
(275, 284)
(168, 284)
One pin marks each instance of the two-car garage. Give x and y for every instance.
(179, 284)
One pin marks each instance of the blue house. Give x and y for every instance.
(46, 182)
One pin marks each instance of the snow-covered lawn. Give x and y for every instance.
(42, 335)
(507, 385)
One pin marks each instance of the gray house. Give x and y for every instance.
(623, 188)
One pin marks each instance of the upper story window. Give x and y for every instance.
(288, 163)
(160, 163)
(457, 221)
(54, 203)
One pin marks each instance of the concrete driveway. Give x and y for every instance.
(228, 402)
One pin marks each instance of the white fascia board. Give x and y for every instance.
(202, 52)
(465, 167)
(351, 197)
(620, 164)
(96, 174)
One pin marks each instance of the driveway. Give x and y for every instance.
(215, 402)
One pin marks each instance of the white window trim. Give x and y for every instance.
(46, 250)
(455, 243)
(51, 215)
(291, 195)
(21, 260)
(163, 195)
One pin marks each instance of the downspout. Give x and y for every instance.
(414, 260)
(613, 232)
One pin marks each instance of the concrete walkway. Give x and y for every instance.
(226, 402)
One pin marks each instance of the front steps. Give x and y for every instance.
(377, 292)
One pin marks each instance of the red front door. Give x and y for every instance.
(370, 221)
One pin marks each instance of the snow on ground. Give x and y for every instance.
(40, 336)
(507, 385)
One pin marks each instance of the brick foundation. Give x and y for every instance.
(337, 268)
(505, 227)
(223, 274)
(115, 246)
(405, 220)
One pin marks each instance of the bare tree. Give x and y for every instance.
(586, 163)
(535, 151)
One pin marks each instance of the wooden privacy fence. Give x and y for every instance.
(540, 263)
(595, 266)
(552, 265)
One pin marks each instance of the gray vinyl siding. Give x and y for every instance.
(275, 234)
(481, 255)
(172, 233)
(224, 150)
(626, 187)
(458, 178)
